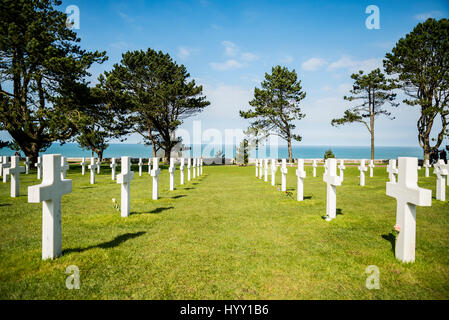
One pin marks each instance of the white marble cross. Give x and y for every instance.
(155, 174)
(301, 174)
(257, 168)
(194, 167)
(92, 168)
(198, 167)
(98, 165)
(260, 168)
(5, 165)
(124, 178)
(314, 165)
(64, 167)
(38, 166)
(181, 171)
(273, 171)
(83, 166)
(201, 166)
(284, 175)
(441, 173)
(408, 195)
(14, 171)
(50, 192)
(371, 167)
(342, 169)
(27, 165)
(189, 161)
(392, 170)
(332, 181)
(266, 170)
(427, 166)
(362, 168)
(113, 165)
(325, 165)
(171, 171)
(149, 166)
(140, 164)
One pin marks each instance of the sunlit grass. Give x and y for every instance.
(226, 235)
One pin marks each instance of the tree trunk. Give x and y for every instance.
(167, 152)
(289, 141)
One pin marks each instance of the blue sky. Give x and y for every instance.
(227, 46)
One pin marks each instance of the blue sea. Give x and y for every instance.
(307, 152)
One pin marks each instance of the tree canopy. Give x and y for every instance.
(275, 106)
(42, 72)
(420, 61)
(374, 89)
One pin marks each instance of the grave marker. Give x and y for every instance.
(50, 192)
(172, 170)
(83, 165)
(314, 165)
(284, 175)
(408, 195)
(301, 174)
(64, 167)
(38, 166)
(27, 165)
(5, 165)
(427, 166)
(273, 172)
(181, 170)
(441, 173)
(371, 167)
(188, 168)
(342, 169)
(362, 168)
(14, 171)
(140, 164)
(155, 174)
(392, 170)
(332, 181)
(113, 165)
(92, 168)
(266, 170)
(124, 178)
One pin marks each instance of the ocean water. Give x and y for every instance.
(307, 152)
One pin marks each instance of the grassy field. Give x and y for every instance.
(226, 235)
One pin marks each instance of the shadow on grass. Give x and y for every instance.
(155, 211)
(109, 244)
(338, 211)
(392, 239)
(178, 196)
(307, 197)
(86, 187)
(5, 204)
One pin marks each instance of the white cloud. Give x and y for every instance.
(248, 56)
(230, 48)
(226, 101)
(287, 59)
(352, 65)
(184, 53)
(227, 65)
(426, 15)
(313, 64)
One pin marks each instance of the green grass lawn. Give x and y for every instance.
(226, 235)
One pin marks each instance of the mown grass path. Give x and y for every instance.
(226, 235)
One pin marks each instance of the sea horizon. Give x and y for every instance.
(137, 150)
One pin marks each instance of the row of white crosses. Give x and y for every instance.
(54, 186)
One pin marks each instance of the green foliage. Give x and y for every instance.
(157, 94)
(374, 89)
(276, 105)
(420, 61)
(242, 153)
(42, 63)
(328, 154)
